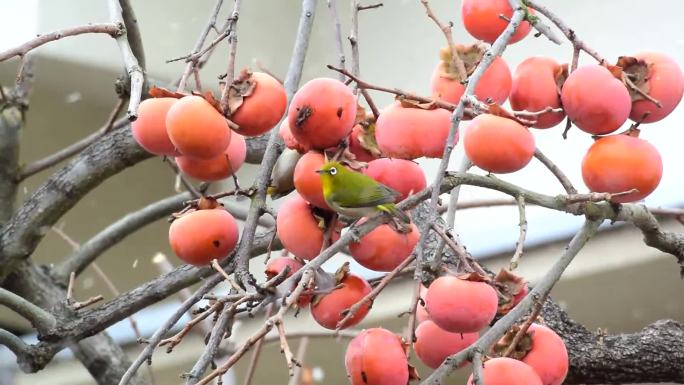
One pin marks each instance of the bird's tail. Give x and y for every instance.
(391, 209)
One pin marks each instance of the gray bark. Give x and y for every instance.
(654, 354)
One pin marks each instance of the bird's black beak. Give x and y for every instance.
(321, 171)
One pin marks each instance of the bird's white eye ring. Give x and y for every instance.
(333, 171)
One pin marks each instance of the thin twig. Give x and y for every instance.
(299, 357)
(262, 180)
(596, 196)
(630, 84)
(567, 31)
(112, 29)
(251, 368)
(285, 348)
(70, 296)
(370, 297)
(453, 244)
(353, 38)
(542, 288)
(536, 309)
(339, 47)
(230, 73)
(181, 177)
(153, 342)
(456, 61)
(556, 171)
(261, 332)
(219, 269)
(519, 245)
(223, 326)
(411, 325)
(74, 148)
(192, 62)
(176, 339)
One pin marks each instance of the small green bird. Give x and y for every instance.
(357, 195)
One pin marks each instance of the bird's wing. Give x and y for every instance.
(374, 194)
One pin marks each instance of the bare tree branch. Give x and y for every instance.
(223, 326)
(40, 319)
(273, 149)
(10, 123)
(653, 354)
(339, 47)
(194, 57)
(133, 32)
(542, 288)
(20, 236)
(134, 69)
(232, 39)
(74, 148)
(146, 354)
(114, 233)
(14, 343)
(556, 171)
(112, 29)
(567, 31)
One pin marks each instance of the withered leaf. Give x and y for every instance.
(366, 138)
(342, 273)
(409, 103)
(160, 92)
(638, 72)
(242, 87)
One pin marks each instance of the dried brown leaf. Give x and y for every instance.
(242, 87)
(160, 92)
(639, 72)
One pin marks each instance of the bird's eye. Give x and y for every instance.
(333, 171)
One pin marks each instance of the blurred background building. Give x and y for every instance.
(617, 283)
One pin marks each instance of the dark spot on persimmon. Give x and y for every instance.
(364, 377)
(216, 243)
(303, 114)
(339, 112)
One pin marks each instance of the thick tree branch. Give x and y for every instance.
(654, 354)
(540, 290)
(102, 357)
(74, 148)
(20, 236)
(92, 321)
